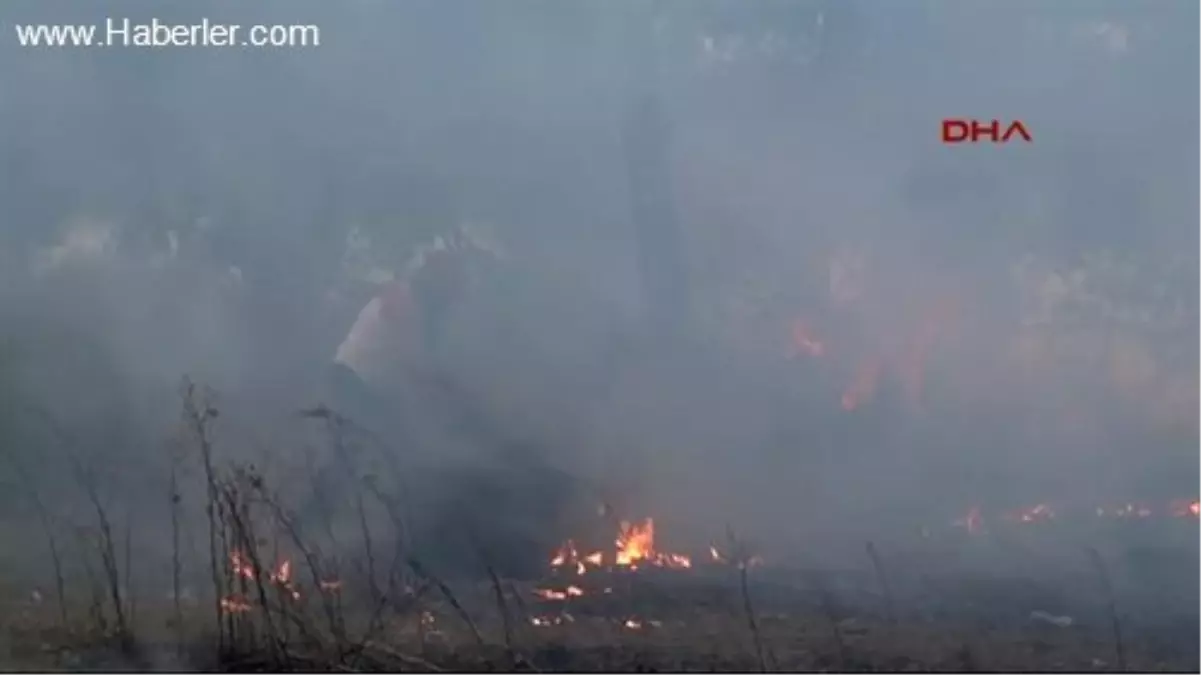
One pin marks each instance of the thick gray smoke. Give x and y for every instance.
(224, 214)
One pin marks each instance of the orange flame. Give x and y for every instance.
(635, 542)
(281, 576)
(568, 555)
(634, 546)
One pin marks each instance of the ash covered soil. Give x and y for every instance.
(976, 610)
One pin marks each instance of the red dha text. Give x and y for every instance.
(973, 131)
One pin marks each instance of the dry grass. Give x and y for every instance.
(434, 637)
(237, 607)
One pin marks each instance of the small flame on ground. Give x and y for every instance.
(634, 545)
(240, 566)
(1036, 513)
(1180, 508)
(544, 621)
(234, 605)
(281, 576)
(283, 573)
(718, 557)
(1183, 508)
(552, 594)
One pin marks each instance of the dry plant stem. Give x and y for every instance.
(827, 603)
(97, 595)
(750, 616)
(400, 530)
(743, 560)
(325, 515)
(283, 596)
(373, 624)
(244, 535)
(1115, 623)
(336, 429)
(450, 597)
(883, 578)
(108, 556)
(227, 574)
(521, 607)
(197, 418)
(86, 480)
(59, 584)
(310, 559)
(503, 608)
(382, 601)
(390, 457)
(130, 598)
(176, 567)
(31, 493)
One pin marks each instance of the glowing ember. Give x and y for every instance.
(283, 573)
(1126, 511)
(234, 605)
(803, 341)
(720, 558)
(544, 621)
(240, 566)
(567, 555)
(1180, 508)
(1036, 513)
(551, 594)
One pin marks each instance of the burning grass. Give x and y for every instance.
(272, 592)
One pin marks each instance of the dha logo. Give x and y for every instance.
(971, 131)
